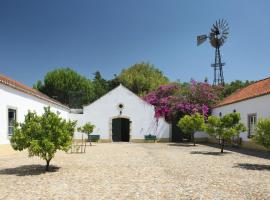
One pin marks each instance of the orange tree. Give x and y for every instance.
(43, 135)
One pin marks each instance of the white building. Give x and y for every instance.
(121, 115)
(15, 101)
(252, 102)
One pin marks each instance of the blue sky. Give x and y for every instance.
(108, 35)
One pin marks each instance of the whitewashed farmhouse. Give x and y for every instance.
(15, 101)
(252, 102)
(119, 115)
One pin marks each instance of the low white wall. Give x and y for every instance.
(201, 135)
(259, 105)
(22, 102)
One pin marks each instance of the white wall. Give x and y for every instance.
(22, 102)
(141, 114)
(259, 105)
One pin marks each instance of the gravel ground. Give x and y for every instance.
(137, 171)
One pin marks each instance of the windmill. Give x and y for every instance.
(217, 37)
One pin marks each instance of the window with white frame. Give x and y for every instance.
(252, 121)
(12, 115)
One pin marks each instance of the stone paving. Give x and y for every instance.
(137, 171)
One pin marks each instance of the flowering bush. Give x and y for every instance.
(174, 99)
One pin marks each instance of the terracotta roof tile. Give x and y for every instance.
(256, 89)
(23, 88)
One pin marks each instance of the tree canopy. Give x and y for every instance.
(68, 87)
(233, 86)
(190, 124)
(87, 128)
(43, 135)
(101, 86)
(75, 90)
(224, 128)
(142, 78)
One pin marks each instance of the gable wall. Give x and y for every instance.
(101, 112)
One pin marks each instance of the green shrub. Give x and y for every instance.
(262, 133)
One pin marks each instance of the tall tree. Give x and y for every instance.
(68, 87)
(142, 78)
(113, 83)
(100, 85)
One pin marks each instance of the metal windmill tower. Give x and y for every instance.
(217, 37)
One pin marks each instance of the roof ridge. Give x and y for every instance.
(28, 90)
(247, 92)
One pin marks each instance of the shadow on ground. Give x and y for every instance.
(28, 170)
(249, 166)
(210, 153)
(182, 145)
(249, 152)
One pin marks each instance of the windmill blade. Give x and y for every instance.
(222, 22)
(226, 29)
(221, 41)
(224, 37)
(214, 29)
(201, 39)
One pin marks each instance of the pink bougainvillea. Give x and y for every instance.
(174, 99)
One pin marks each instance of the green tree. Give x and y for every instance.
(68, 87)
(43, 135)
(234, 86)
(142, 78)
(190, 124)
(87, 128)
(100, 85)
(113, 83)
(262, 133)
(224, 128)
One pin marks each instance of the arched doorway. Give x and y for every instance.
(120, 129)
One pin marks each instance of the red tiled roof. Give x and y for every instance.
(256, 89)
(28, 90)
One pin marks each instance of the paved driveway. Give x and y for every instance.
(137, 171)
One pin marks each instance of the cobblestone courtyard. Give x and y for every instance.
(136, 171)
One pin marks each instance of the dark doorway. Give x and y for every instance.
(177, 134)
(120, 129)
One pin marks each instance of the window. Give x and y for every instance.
(252, 120)
(11, 120)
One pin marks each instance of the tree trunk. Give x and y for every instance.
(222, 145)
(193, 138)
(48, 164)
